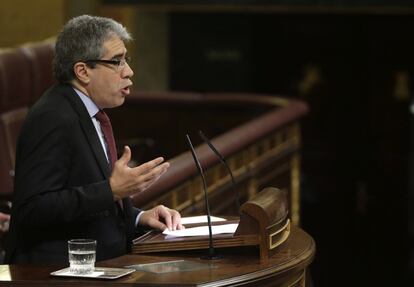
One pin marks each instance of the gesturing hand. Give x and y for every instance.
(126, 181)
(161, 217)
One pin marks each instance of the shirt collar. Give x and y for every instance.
(89, 104)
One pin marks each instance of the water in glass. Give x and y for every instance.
(82, 254)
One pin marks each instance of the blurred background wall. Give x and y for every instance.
(24, 21)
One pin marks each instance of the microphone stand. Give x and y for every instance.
(224, 162)
(211, 251)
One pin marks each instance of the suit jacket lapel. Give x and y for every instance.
(88, 128)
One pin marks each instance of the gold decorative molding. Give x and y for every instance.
(263, 163)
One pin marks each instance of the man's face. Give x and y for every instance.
(109, 84)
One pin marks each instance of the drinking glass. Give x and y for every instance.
(82, 256)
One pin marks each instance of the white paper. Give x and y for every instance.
(203, 230)
(200, 219)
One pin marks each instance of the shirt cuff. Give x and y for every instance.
(138, 217)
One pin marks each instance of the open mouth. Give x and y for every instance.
(125, 91)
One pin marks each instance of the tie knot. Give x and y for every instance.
(102, 117)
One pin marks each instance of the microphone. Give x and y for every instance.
(223, 161)
(211, 252)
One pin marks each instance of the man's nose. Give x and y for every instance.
(127, 72)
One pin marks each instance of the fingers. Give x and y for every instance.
(125, 181)
(156, 173)
(171, 218)
(176, 220)
(150, 165)
(161, 217)
(163, 213)
(150, 218)
(148, 173)
(157, 224)
(126, 155)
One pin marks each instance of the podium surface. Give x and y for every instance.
(239, 266)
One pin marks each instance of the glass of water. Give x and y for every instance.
(82, 256)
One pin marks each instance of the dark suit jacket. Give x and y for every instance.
(62, 189)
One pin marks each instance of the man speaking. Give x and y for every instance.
(69, 183)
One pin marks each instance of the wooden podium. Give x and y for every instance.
(264, 222)
(263, 225)
(287, 267)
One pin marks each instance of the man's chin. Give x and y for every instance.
(119, 102)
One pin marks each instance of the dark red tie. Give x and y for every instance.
(106, 127)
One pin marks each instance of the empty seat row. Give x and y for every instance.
(25, 73)
(10, 125)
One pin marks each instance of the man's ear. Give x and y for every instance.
(81, 72)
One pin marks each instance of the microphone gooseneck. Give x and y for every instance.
(224, 162)
(211, 251)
